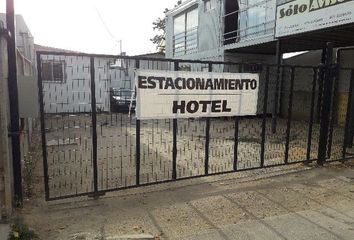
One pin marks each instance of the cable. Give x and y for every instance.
(118, 42)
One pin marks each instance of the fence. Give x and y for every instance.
(92, 150)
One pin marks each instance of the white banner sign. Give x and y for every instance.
(309, 15)
(177, 94)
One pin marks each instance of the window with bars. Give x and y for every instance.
(53, 71)
(185, 37)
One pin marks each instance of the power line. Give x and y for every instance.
(108, 30)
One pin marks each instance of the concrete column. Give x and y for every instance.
(6, 186)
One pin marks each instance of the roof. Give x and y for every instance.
(41, 48)
(152, 55)
(38, 48)
(184, 5)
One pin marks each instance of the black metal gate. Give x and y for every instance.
(89, 148)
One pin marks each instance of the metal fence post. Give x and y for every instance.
(43, 135)
(14, 109)
(137, 134)
(236, 143)
(237, 121)
(174, 147)
(207, 135)
(94, 128)
(326, 106)
(264, 121)
(348, 132)
(312, 108)
(334, 100)
(320, 84)
(290, 109)
(277, 84)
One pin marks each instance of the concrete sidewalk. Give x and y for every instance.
(283, 203)
(323, 223)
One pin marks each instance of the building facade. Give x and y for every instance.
(261, 31)
(26, 79)
(250, 29)
(213, 29)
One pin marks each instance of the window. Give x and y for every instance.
(209, 5)
(185, 32)
(231, 22)
(248, 19)
(257, 18)
(53, 71)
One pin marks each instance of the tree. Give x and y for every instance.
(159, 25)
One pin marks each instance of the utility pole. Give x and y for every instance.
(14, 132)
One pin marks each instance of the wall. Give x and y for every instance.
(209, 32)
(5, 159)
(303, 84)
(24, 38)
(74, 95)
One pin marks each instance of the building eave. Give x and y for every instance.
(180, 8)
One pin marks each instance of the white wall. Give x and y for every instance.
(74, 95)
(209, 32)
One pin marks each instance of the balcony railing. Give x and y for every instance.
(185, 42)
(250, 22)
(262, 30)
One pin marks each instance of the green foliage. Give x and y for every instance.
(20, 231)
(159, 25)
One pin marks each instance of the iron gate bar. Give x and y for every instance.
(313, 96)
(94, 127)
(290, 107)
(348, 119)
(276, 92)
(264, 122)
(236, 119)
(43, 135)
(236, 143)
(191, 177)
(326, 107)
(321, 83)
(335, 70)
(207, 135)
(170, 60)
(174, 147)
(348, 141)
(137, 134)
(175, 128)
(351, 119)
(281, 93)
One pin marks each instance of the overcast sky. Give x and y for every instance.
(93, 26)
